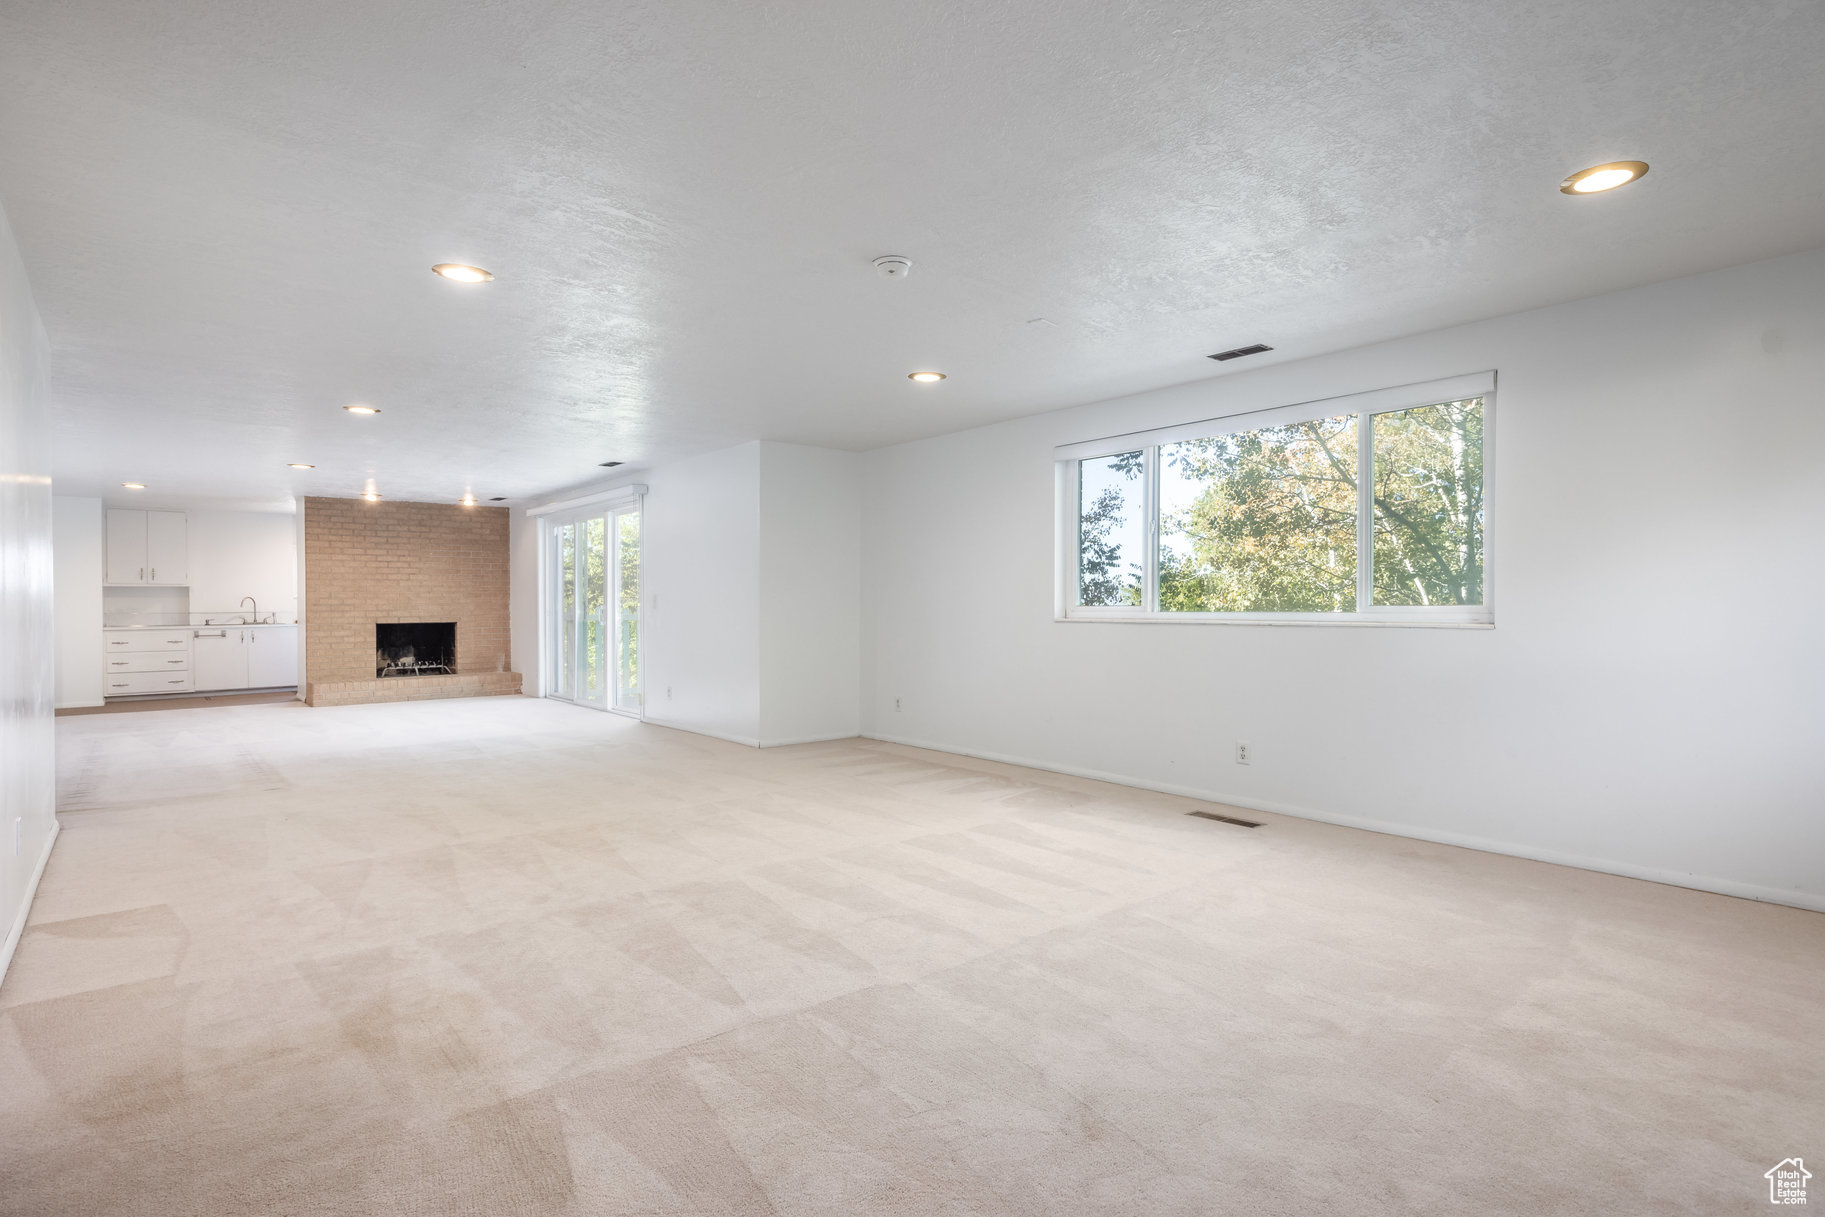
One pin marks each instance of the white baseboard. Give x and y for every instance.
(1609, 866)
(78, 705)
(747, 740)
(25, 906)
(744, 740)
(807, 739)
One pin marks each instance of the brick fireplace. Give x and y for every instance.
(373, 571)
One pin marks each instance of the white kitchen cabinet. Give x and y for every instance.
(167, 547)
(126, 546)
(272, 657)
(172, 642)
(237, 657)
(148, 547)
(219, 659)
(145, 661)
(139, 661)
(134, 684)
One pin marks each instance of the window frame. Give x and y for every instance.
(1365, 406)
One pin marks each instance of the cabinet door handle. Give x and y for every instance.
(174, 682)
(155, 574)
(142, 574)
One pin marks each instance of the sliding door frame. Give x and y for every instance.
(609, 509)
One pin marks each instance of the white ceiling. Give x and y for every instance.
(229, 209)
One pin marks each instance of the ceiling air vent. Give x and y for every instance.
(1211, 815)
(1239, 352)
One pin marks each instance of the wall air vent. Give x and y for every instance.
(610, 464)
(1211, 815)
(1239, 352)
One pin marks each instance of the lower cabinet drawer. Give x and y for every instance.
(125, 684)
(145, 640)
(116, 665)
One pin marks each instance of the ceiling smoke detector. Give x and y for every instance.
(1239, 352)
(893, 266)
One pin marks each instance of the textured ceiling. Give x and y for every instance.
(229, 209)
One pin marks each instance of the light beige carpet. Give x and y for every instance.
(505, 957)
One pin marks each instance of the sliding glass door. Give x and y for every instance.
(594, 648)
(627, 611)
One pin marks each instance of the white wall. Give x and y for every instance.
(751, 594)
(1651, 700)
(76, 549)
(810, 594)
(297, 521)
(244, 553)
(702, 574)
(701, 651)
(27, 615)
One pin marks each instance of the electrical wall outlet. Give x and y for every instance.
(896, 705)
(1243, 753)
(668, 693)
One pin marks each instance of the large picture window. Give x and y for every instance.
(1362, 508)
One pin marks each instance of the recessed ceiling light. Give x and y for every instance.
(298, 465)
(134, 485)
(456, 272)
(925, 378)
(468, 500)
(1603, 177)
(361, 409)
(371, 497)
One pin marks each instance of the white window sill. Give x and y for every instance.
(1346, 621)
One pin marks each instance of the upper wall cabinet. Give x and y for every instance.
(148, 547)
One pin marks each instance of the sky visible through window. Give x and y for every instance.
(1112, 531)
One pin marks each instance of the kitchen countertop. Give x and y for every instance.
(220, 625)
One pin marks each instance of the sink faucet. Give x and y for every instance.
(256, 607)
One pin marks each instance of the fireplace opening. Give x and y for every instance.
(415, 648)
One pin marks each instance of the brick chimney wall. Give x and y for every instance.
(367, 563)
